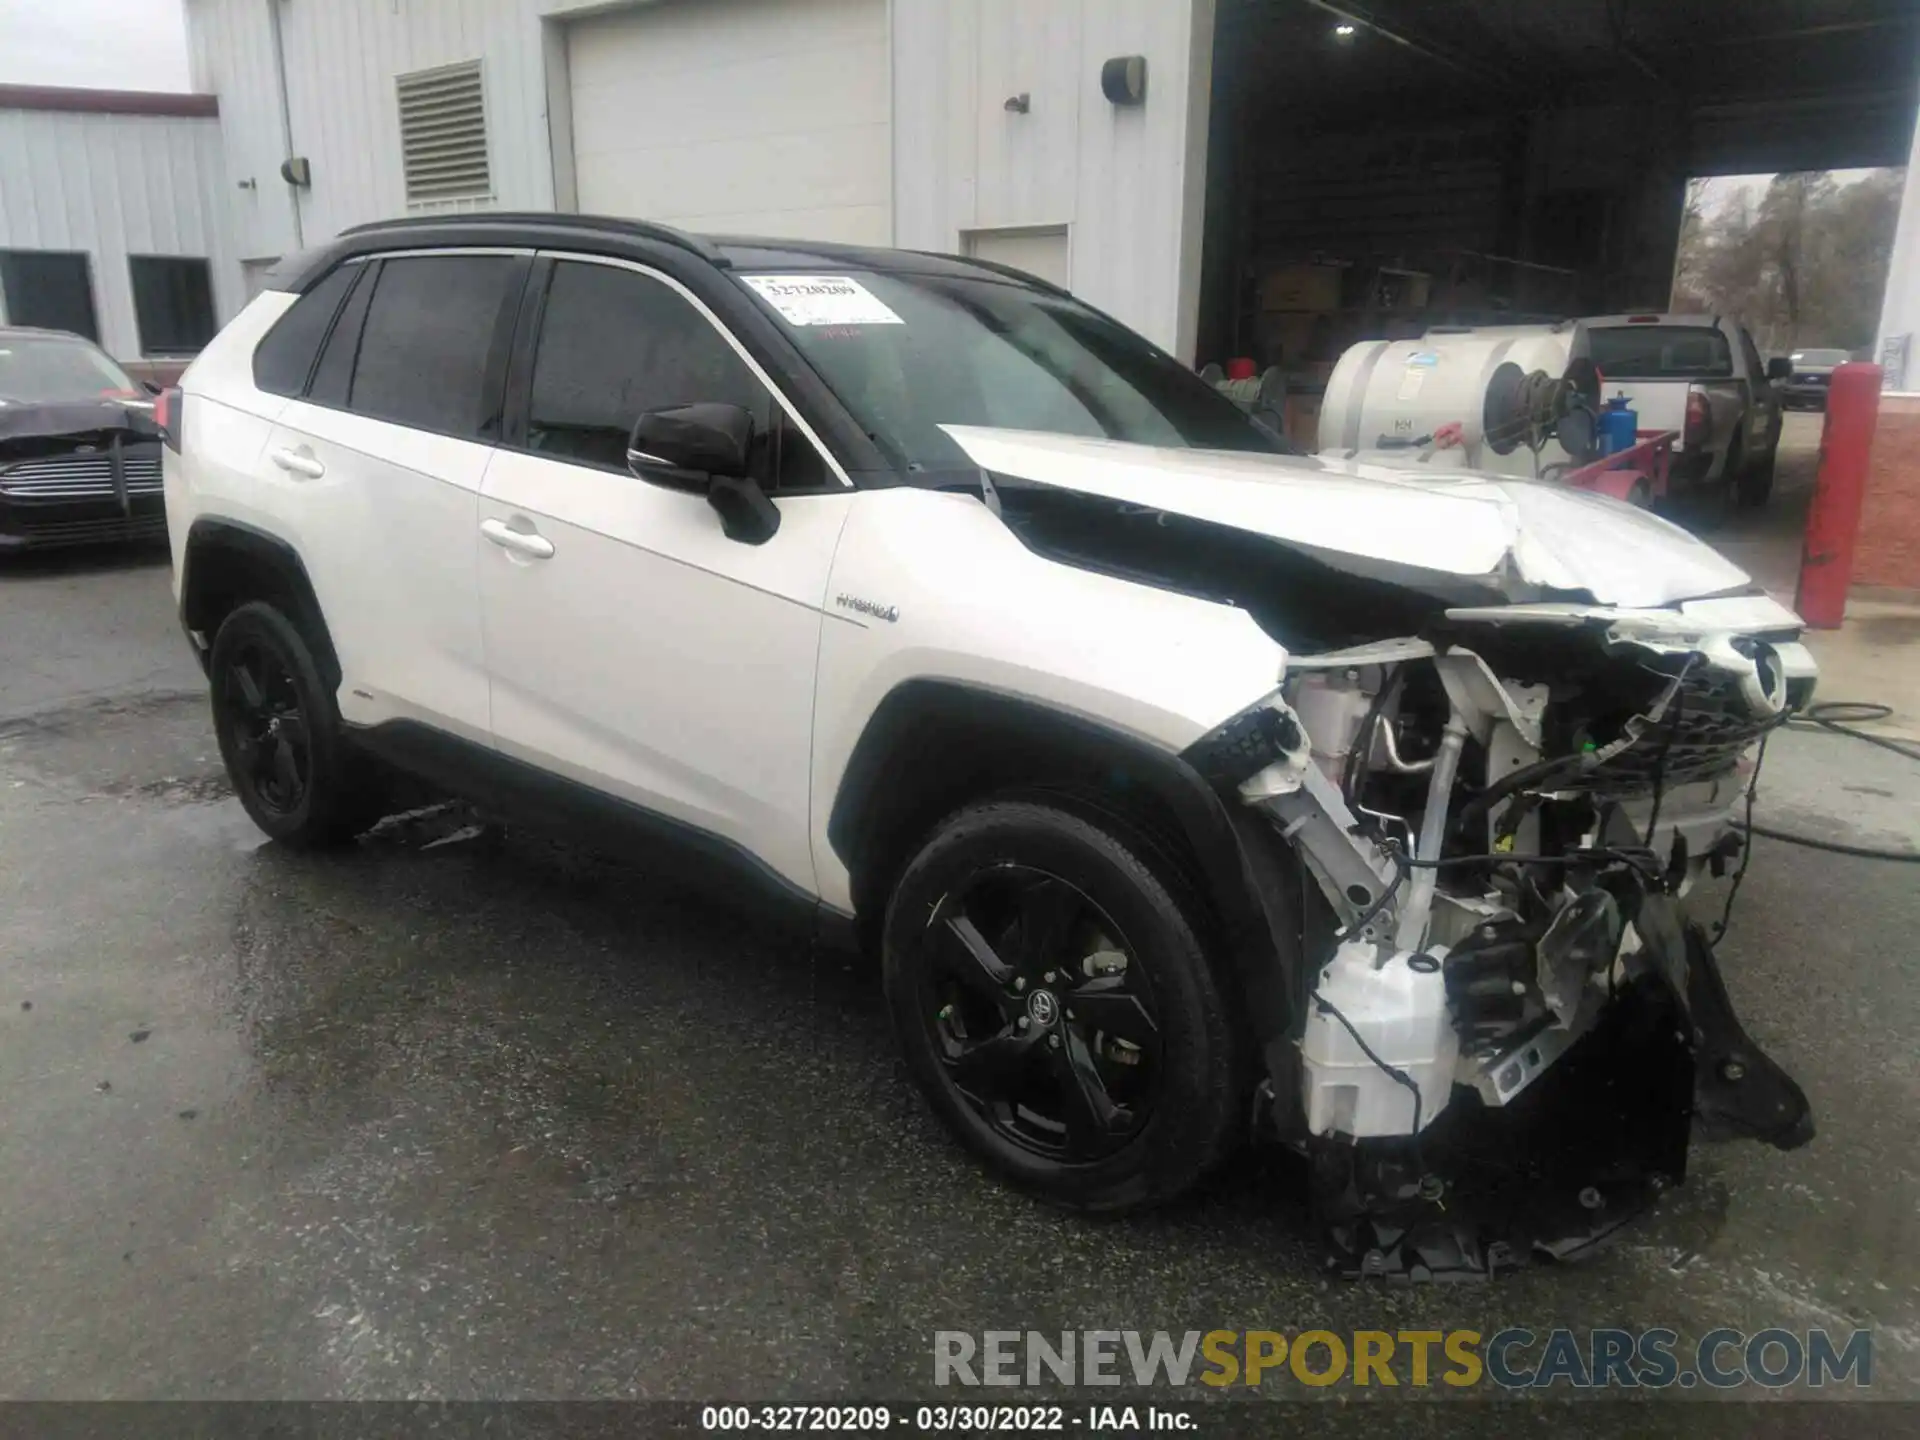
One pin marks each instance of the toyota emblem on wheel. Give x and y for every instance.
(1042, 1008)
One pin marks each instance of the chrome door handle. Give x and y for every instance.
(521, 542)
(297, 462)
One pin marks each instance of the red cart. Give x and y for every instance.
(1637, 474)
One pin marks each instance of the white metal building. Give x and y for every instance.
(1389, 166)
(113, 218)
(937, 124)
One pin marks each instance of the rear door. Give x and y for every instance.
(633, 647)
(379, 464)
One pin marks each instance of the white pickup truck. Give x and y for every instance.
(1703, 377)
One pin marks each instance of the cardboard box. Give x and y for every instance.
(1301, 287)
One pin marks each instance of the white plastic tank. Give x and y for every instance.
(1401, 1009)
(1384, 393)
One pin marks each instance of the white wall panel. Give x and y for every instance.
(114, 186)
(341, 59)
(230, 53)
(762, 116)
(1127, 182)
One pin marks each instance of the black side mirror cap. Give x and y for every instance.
(688, 443)
(1780, 368)
(746, 514)
(709, 447)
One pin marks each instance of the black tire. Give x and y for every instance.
(279, 734)
(1731, 468)
(1143, 1108)
(1753, 488)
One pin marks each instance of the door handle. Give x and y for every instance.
(297, 462)
(521, 542)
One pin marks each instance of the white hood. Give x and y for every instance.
(1456, 523)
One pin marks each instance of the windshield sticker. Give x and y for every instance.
(822, 300)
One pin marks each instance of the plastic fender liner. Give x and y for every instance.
(889, 797)
(220, 550)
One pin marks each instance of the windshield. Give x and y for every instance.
(910, 353)
(1660, 352)
(1819, 357)
(46, 369)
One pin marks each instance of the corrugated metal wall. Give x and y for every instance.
(114, 186)
(341, 59)
(1126, 181)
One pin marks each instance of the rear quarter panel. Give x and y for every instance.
(225, 422)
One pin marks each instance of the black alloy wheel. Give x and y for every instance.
(280, 734)
(1054, 1002)
(268, 732)
(1040, 1015)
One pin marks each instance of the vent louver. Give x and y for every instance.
(443, 133)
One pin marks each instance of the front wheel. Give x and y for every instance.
(1054, 1003)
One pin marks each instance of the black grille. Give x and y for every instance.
(1703, 734)
(102, 530)
(81, 477)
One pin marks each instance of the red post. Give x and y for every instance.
(1833, 519)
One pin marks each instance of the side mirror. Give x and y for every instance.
(1780, 367)
(150, 386)
(707, 447)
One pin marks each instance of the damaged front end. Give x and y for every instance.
(1513, 1028)
(79, 472)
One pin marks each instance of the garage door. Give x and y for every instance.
(759, 117)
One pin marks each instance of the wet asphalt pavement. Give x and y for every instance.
(494, 1118)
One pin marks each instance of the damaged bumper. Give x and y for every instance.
(1505, 1043)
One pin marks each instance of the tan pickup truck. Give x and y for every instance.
(1701, 376)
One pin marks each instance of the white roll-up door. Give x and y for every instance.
(757, 117)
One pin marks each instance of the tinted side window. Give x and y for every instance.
(1756, 367)
(283, 360)
(429, 333)
(614, 344)
(333, 376)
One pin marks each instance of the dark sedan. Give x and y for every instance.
(79, 449)
(1806, 387)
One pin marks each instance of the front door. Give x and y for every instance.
(630, 644)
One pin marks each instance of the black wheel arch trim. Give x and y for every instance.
(260, 547)
(1243, 871)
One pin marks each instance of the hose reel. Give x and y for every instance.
(1530, 407)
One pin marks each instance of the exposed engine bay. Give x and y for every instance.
(1516, 726)
(1505, 818)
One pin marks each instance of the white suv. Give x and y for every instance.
(1185, 787)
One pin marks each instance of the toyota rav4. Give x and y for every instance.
(1185, 788)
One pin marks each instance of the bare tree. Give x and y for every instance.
(1805, 266)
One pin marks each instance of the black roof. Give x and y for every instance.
(610, 235)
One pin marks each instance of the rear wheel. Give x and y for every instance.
(1752, 488)
(1054, 1003)
(280, 736)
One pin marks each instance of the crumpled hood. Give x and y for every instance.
(30, 419)
(1484, 527)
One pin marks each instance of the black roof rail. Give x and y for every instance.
(547, 219)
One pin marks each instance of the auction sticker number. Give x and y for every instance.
(795, 1417)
